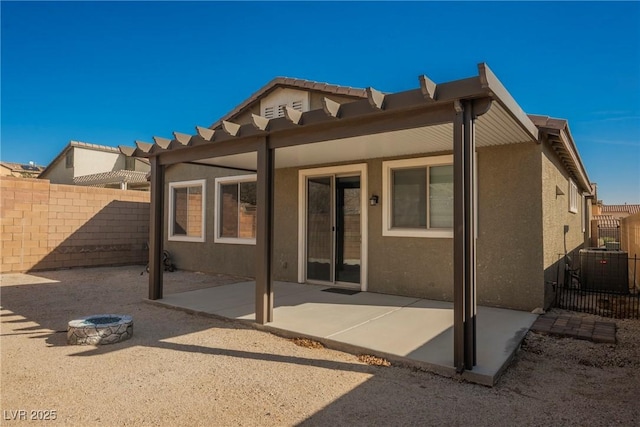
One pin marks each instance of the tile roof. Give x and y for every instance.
(22, 167)
(630, 209)
(607, 221)
(93, 146)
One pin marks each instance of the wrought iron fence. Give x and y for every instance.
(602, 282)
(609, 237)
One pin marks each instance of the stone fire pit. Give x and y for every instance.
(100, 329)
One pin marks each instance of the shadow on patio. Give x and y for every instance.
(405, 330)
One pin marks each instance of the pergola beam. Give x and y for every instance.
(294, 116)
(182, 139)
(427, 87)
(375, 98)
(259, 122)
(331, 108)
(232, 129)
(205, 133)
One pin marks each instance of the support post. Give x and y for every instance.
(156, 224)
(264, 234)
(469, 236)
(464, 254)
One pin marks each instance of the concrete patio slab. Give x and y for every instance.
(405, 330)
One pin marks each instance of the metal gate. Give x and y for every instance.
(597, 282)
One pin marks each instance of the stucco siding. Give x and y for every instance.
(87, 162)
(58, 173)
(556, 215)
(206, 256)
(510, 256)
(509, 245)
(285, 242)
(411, 266)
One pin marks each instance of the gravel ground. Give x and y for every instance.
(181, 369)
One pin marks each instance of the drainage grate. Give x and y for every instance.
(342, 291)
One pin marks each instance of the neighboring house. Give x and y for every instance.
(606, 222)
(362, 187)
(615, 211)
(20, 170)
(81, 163)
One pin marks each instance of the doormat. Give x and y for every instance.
(342, 291)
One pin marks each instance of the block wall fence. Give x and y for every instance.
(48, 226)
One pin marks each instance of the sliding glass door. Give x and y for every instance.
(334, 229)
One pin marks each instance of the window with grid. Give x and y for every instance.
(418, 197)
(236, 210)
(186, 211)
(573, 197)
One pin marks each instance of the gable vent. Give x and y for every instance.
(273, 112)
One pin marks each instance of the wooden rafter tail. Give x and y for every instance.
(259, 122)
(331, 108)
(293, 115)
(231, 128)
(205, 133)
(376, 98)
(427, 87)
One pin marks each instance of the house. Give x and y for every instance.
(81, 163)
(606, 222)
(20, 170)
(615, 211)
(445, 191)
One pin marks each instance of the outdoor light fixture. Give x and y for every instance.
(373, 200)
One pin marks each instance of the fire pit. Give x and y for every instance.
(100, 329)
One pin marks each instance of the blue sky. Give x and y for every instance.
(111, 73)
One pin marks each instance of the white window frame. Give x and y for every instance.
(182, 184)
(573, 197)
(235, 179)
(387, 169)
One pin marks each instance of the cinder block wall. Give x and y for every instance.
(48, 226)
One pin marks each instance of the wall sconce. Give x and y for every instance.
(373, 200)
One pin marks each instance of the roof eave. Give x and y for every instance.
(498, 92)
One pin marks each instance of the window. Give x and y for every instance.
(236, 210)
(417, 197)
(130, 163)
(186, 211)
(68, 160)
(573, 197)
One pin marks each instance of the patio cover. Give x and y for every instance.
(458, 115)
(123, 178)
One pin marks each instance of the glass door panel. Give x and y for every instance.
(319, 229)
(348, 237)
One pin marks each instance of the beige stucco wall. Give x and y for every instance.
(58, 173)
(206, 256)
(510, 234)
(87, 162)
(630, 242)
(509, 264)
(556, 216)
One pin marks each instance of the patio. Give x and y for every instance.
(409, 331)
